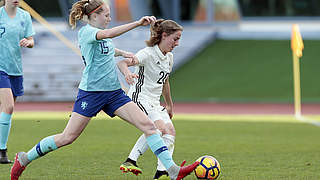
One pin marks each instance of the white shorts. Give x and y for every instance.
(154, 111)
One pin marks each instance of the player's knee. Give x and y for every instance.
(172, 131)
(8, 108)
(169, 130)
(162, 130)
(149, 128)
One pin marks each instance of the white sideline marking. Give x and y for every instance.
(275, 118)
(308, 120)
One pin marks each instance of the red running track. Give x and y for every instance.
(192, 108)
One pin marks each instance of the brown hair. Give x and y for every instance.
(159, 27)
(82, 8)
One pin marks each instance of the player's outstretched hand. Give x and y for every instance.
(146, 20)
(130, 78)
(127, 55)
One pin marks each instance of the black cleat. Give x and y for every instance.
(4, 157)
(161, 175)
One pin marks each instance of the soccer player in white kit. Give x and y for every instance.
(149, 81)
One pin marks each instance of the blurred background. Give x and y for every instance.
(230, 50)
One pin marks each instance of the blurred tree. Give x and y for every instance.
(280, 7)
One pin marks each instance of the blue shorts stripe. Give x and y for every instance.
(160, 150)
(39, 150)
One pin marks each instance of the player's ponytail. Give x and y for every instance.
(84, 8)
(159, 27)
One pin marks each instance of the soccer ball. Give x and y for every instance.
(209, 168)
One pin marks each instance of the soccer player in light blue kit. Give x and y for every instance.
(100, 89)
(15, 32)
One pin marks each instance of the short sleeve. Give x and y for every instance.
(29, 31)
(89, 35)
(142, 56)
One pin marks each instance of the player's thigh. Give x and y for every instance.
(6, 95)
(7, 100)
(161, 118)
(131, 113)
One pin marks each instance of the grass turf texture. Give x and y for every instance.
(265, 147)
(247, 71)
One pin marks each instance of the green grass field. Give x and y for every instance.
(247, 71)
(248, 147)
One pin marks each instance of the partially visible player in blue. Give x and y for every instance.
(100, 89)
(15, 32)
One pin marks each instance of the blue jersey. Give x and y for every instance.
(100, 72)
(12, 30)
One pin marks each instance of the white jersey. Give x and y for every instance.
(153, 70)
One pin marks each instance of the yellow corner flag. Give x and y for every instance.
(296, 41)
(297, 47)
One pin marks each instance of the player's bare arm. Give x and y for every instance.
(125, 54)
(166, 93)
(123, 67)
(117, 31)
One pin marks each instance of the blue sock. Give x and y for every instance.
(158, 147)
(5, 124)
(43, 147)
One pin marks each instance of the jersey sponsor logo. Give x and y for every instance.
(2, 31)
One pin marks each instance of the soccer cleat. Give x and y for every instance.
(16, 169)
(130, 167)
(186, 170)
(4, 157)
(161, 175)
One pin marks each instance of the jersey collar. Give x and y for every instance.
(160, 54)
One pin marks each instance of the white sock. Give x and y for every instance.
(169, 142)
(139, 148)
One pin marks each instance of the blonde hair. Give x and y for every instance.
(159, 27)
(84, 8)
